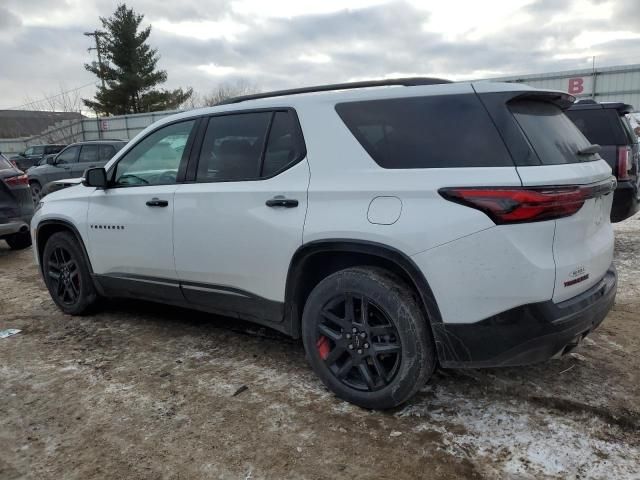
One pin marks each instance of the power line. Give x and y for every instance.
(50, 98)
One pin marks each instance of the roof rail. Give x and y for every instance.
(405, 82)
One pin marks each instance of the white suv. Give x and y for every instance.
(392, 225)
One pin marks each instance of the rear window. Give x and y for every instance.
(4, 163)
(601, 126)
(426, 132)
(554, 137)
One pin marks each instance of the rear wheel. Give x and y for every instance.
(66, 274)
(19, 241)
(36, 191)
(366, 337)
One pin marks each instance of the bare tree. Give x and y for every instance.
(194, 101)
(227, 90)
(66, 130)
(64, 101)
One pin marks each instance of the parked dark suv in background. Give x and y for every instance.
(33, 154)
(605, 124)
(16, 208)
(72, 162)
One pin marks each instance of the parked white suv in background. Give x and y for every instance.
(392, 225)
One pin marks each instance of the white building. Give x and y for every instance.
(608, 84)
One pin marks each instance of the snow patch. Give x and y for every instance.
(515, 438)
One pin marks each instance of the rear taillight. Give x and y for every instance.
(517, 205)
(624, 163)
(16, 181)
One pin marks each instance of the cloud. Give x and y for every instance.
(8, 20)
(202, 44)
(626, 14)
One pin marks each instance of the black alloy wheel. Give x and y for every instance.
(367, 338)
(358, 342)
(65, 276)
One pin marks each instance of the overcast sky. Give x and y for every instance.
(279, 44)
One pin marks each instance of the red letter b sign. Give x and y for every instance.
(576, 85)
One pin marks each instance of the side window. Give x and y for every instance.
(440, 131)
(156, 158)
(28, 151)
(284, 145)
(232, 147)
(70, 155)
(89, 153)
(105, 152)
(38, 150)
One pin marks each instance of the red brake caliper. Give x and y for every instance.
(323, 347)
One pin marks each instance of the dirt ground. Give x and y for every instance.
(143, 391)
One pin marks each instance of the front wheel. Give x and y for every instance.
(366, 338)
(66, 274)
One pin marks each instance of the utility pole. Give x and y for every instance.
(97, 34)
(98, 48)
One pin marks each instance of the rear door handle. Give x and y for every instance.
(280, 201)
(156, 202)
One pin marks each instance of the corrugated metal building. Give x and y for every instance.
(608, 84)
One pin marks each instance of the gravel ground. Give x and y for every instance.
(143, 391)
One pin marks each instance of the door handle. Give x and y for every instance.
(280, 201)
(156, 202)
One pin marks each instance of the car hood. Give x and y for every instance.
(68, 181)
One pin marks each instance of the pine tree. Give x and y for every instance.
(129, 69)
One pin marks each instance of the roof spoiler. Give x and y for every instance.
(622, 108)
(561, 99)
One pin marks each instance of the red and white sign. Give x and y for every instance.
(104, 125)
(580, 85)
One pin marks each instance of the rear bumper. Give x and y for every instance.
(527, 334)
(14, 226)
(625, 201)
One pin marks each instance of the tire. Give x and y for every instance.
(19, 241)
(36, 191)
(66, 274)
(379, 362)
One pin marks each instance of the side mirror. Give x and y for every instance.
(95, 177)
(51, 160)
